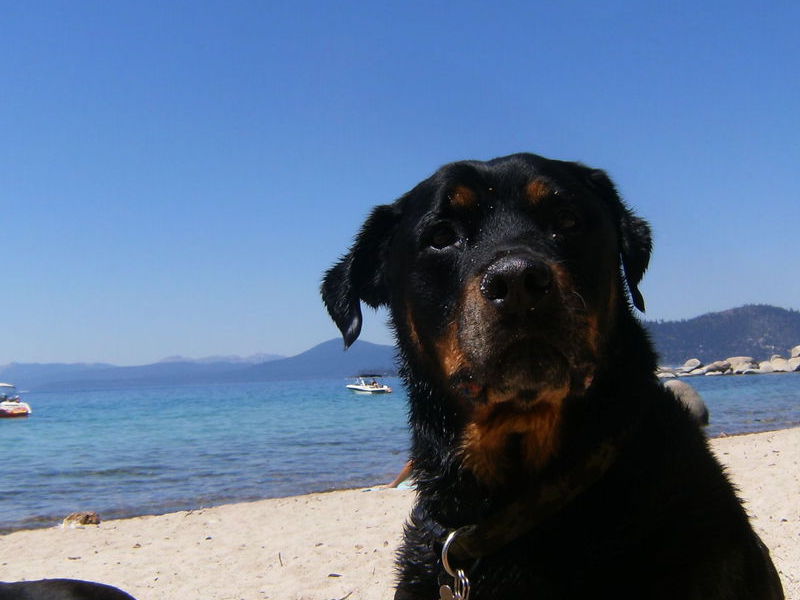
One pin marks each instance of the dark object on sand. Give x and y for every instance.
(60, 589)
(540, 434)
(84, 517)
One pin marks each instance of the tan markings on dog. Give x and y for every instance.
(486, 439)
(451, 356)
(542, 437)
(563, 279)
(599, 323)
(472, 302)
(538, 190)
(462, 197)
(412, 330)
(592, 324)
(593, 333)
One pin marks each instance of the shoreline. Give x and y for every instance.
(340, 543)
(48, 522)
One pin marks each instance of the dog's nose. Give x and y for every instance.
(516, 283)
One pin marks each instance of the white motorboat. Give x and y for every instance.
(10, 403)
(369, 384)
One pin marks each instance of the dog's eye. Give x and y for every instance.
(442, 235)
(566, 221)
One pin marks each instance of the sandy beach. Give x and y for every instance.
(339, 544)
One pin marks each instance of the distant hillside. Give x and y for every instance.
(328, 359)
(253, 359)
(757, 330)
(754, 330)
(82, 378)
(325, 360)
(28, 375)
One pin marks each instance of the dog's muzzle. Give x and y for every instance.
(514, 331)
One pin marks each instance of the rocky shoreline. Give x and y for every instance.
(735, 365)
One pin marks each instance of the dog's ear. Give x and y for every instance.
(636, 247)
(360, 274)
(634, 234)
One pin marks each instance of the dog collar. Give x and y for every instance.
(538, 503)
(473, 542)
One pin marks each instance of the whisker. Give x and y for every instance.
(583, 302)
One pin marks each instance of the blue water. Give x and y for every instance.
(750, 403)
(150, 451)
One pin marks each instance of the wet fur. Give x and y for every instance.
(511, 410)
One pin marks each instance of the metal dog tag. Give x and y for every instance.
(460, 589)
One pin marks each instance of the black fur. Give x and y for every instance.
(534, 409)
(60, 589)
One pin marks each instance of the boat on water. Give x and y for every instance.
(10, 403)
(369, 384)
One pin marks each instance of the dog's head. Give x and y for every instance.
(504, 278)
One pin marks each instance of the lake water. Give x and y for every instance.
(150, 451)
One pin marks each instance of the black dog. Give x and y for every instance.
(540, 435)
(60, 589)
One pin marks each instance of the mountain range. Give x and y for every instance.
(754, 330)
(324, 360)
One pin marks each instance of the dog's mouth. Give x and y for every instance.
(494, 355)
(523, 373)
(512, 407)
(509, 383)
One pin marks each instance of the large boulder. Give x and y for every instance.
(742, 364)
(692, 364)
(690, 398)
(779, 364)
(739, 359)
(765, 366)
(718, 366)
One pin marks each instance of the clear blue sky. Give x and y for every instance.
(175, 176)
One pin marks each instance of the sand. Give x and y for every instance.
(338, 544)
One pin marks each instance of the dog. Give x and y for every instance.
(549, 462)
(60, 589)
